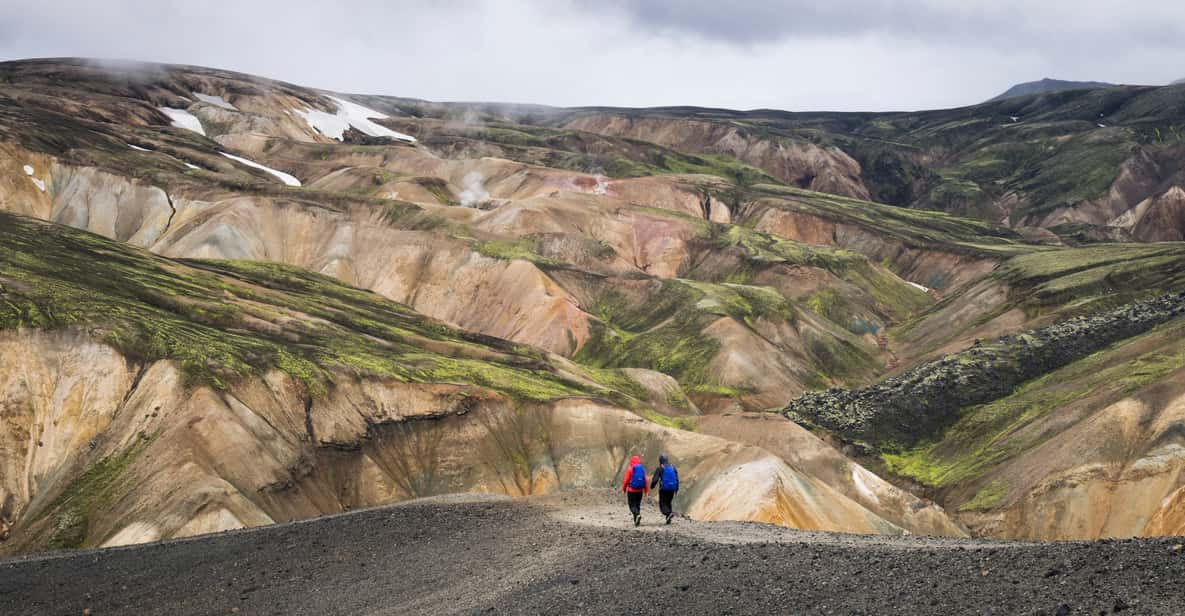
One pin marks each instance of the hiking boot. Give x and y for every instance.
(669, 516)
(637, 520)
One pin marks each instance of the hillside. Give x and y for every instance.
(1047, 85)
(573, 257)
(131, 374)
(166, 369)
(1087, 165)
(293, 302)
(1064, 431)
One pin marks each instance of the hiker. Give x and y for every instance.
(635, 487)
(666, 478)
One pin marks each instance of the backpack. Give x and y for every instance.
(637, 477)
(670, 478)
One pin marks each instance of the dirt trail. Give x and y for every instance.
(578, 553)
(605, 510)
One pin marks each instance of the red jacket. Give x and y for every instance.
(629, 471)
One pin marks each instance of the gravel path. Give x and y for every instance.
(578, 553)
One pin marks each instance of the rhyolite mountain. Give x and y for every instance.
(1087, 165)
(228, 301)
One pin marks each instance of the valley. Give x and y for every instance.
(229, 302)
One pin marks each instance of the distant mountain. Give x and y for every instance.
(1048, 85)
(1178, 82)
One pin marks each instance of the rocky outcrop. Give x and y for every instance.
(903, 410)
(1091, 449)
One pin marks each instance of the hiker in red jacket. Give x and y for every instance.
(635, 487)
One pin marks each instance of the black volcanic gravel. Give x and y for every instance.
(516, 557)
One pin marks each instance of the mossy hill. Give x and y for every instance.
(985, 437)
(225, 320)
(901, 411)
(1035, 153)
(913, 228)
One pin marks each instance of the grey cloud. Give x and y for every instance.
(765, 20)
(1028, 23)
(790, 54)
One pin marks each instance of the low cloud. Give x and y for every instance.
(789, 54)
(964, 22)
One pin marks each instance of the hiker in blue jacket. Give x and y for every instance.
(666, 479)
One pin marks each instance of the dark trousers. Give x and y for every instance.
(635, 501)
(664, 501)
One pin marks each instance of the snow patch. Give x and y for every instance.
(1014, 118)
(284, 177)
(183, 119)
(191, 165)
(1100, 125)
(349, 115)
(923, 289)
(136, 147)
(217, 101)
(40, 184)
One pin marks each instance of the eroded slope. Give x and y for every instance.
(147, 398)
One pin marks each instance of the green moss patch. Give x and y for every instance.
(224, 320)
(915, 228)
(510, 250)
(663, 330)
(439, 190)
(987, 497)
(987, 435)
(92, 491)
(678, 423)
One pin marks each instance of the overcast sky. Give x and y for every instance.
(786, 54)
